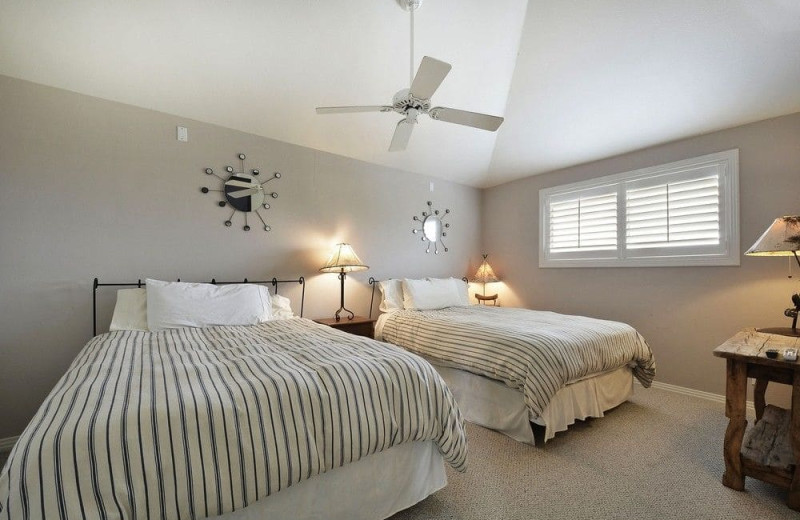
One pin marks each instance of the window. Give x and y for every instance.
(682, 213)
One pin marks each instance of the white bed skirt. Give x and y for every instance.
(372, 488)
(492, 404)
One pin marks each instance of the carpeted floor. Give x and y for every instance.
(658, 456)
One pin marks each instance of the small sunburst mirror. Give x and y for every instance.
(432, 228)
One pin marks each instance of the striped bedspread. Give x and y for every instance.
(536, 352)
(189, 423)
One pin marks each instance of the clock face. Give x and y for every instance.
(244, 193)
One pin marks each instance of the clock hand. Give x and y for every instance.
(238, 183)
(243, 193)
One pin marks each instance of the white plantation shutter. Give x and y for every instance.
(677, 214)
(584, 224)
(682, 213)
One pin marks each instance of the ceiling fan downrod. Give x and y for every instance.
(411, 6)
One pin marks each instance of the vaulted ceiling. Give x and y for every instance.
(576, 80)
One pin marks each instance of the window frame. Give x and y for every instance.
(727, 253)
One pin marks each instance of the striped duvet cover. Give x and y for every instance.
(188, 423)
(536, 352)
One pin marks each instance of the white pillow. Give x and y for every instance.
(436, 293)
(392, 292)
(281, 306)
(130, 312)
(177, 304)
(462, 288)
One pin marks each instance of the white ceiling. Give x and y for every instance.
(576, 80)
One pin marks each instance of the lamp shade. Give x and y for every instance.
(782, 238)
(485, 273)
(343, 260)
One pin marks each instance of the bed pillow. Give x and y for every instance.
(178, 304)
(429, 294)
(462, 288)
(281, 306)
(130, 312)
(392, 292)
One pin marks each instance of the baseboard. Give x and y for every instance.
(717, 398)
(8, 443)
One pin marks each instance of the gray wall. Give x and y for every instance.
(683, 312)
(95, 188)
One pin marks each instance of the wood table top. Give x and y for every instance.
(751, 346)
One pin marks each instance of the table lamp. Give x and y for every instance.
(782, 238)
(485, 274)
(343, 260)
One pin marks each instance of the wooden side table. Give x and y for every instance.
(359, 325)
(745, 355)
(483, 299)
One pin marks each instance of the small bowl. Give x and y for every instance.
(772, 353)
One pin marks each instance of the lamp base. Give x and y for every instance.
(338, 318)
(783, 331)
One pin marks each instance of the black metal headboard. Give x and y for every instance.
(373, 282)
(139, 283)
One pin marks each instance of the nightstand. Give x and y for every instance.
(360, 325)
(772, 448)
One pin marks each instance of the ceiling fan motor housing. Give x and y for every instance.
(404, 100)
(408, 5)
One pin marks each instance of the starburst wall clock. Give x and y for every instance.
(244, 193)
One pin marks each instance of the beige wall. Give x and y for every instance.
(94, 188)
(683, 312)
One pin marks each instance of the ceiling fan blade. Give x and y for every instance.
(401, 136)
(429, 76)
(347, 110)
(463, 117)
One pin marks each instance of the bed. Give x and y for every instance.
(280, 418)
(509, 367)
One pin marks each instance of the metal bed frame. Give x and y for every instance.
(373, 282)
(139, 283)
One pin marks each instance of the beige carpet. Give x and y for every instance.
(658, 456)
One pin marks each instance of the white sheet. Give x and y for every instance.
(494, 405)
(407, 474)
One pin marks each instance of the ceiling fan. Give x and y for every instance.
(415, 100)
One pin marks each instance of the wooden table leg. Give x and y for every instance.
(794, 428)
(735, 411)
(758, 397)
